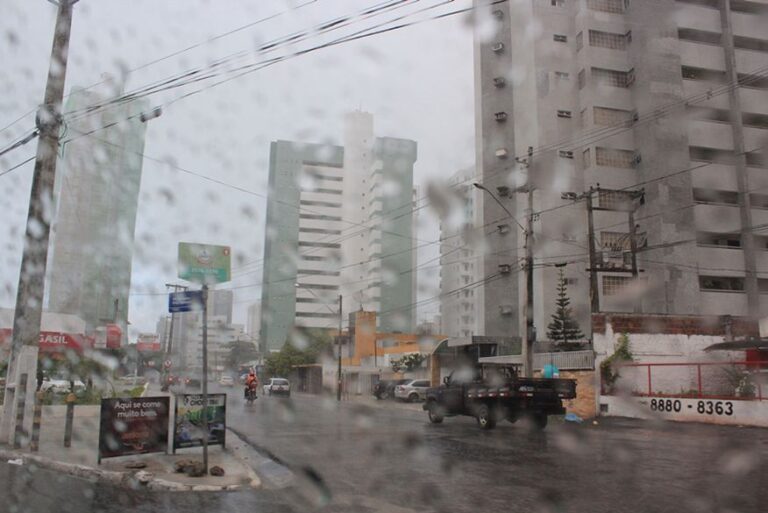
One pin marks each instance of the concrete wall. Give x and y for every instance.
(669, 340)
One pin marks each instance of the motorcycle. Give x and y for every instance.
(250, 394)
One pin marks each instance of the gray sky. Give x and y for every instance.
(417, 82)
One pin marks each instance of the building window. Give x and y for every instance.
(710, 75)
(613, 285)
(715, 196)
(315, 217)
(328, 245)
(728, 240)
(582, 79)
(564, 114)
(611, 157)
(307, 203)
(608, 117)
(615, 241)
(614, 6)
(579, 41)
(608, 40)
(562, 75)
(721, 283)
(317, 315)
(320, 230)
(557, 3)
(560, 38)
(759, 200)
(586, 158)
(613, 78)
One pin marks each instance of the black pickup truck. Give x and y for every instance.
(495, 392)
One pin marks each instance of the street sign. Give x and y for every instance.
(204, 263)
(187, 301)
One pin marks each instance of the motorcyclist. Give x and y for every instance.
(251, 383)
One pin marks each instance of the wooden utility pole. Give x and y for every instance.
(29, 297)
(594, 291)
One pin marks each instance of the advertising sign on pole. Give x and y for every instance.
(136, 425)
(204, 263)
(188, 429)
(187, 301)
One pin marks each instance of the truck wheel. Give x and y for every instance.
(485, 417)
(434, 414)
(540, 421)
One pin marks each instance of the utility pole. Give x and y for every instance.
(527, 350)
(615, 201)
(338, 385)
(29, 298)
(206, 432)
(594, 291)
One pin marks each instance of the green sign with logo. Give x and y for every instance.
(204, 263)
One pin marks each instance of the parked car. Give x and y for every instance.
(226, 381)
(133, 379)
(61, 386)
(413, 390)
(385, 389)
(278, 386)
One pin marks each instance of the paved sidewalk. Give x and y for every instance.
(158, 473)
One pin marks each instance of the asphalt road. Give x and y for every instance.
(388, 458)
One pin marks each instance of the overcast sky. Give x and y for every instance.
(417, 82)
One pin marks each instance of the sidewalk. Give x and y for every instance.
(157, 470)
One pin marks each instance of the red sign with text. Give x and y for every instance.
(52, 341)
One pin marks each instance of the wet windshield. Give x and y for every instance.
(384, 255)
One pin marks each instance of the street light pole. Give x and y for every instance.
(338, 387)
(31, 289)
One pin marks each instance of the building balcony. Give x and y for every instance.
(749, 25)
(710, 134)
(702, 55)
(750, 61)
(698, 18)
(717, 218)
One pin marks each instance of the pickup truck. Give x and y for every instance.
(495, 392)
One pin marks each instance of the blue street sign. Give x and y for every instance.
(187, 301)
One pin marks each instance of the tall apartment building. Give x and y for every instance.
(339, 221)
(664, 97)
(96, 194)
(459, 260)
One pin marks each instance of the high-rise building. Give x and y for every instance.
(96, 194)
(459, 259)
(254, 320)
(339, 221)
(662, 98)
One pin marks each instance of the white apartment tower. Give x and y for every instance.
(665, 101)
(339, 222)
(459, 261)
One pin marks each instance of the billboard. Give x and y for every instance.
(204, 263)
(137, 425)
(148, 342)
(188, 431)
(53, 341)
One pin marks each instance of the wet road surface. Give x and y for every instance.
(388, 458)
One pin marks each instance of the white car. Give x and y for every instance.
(226, 381)
(278, 386)
(61, 386)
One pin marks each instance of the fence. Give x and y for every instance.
(569, 360)
(702, 380)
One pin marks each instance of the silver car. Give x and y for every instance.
(413, 390)
(278, 386)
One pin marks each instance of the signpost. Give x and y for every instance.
(137, 425)
(189, 414)
(205, 264)
(187, 301)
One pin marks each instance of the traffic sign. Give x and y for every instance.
(204, 263)
(167, 364)
(187, 301)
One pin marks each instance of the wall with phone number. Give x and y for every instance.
(714, 411)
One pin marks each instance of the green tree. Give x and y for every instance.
(564, 327)
(408, 362)
(315, 344)
(241, 352)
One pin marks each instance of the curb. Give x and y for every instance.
(134, 480)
